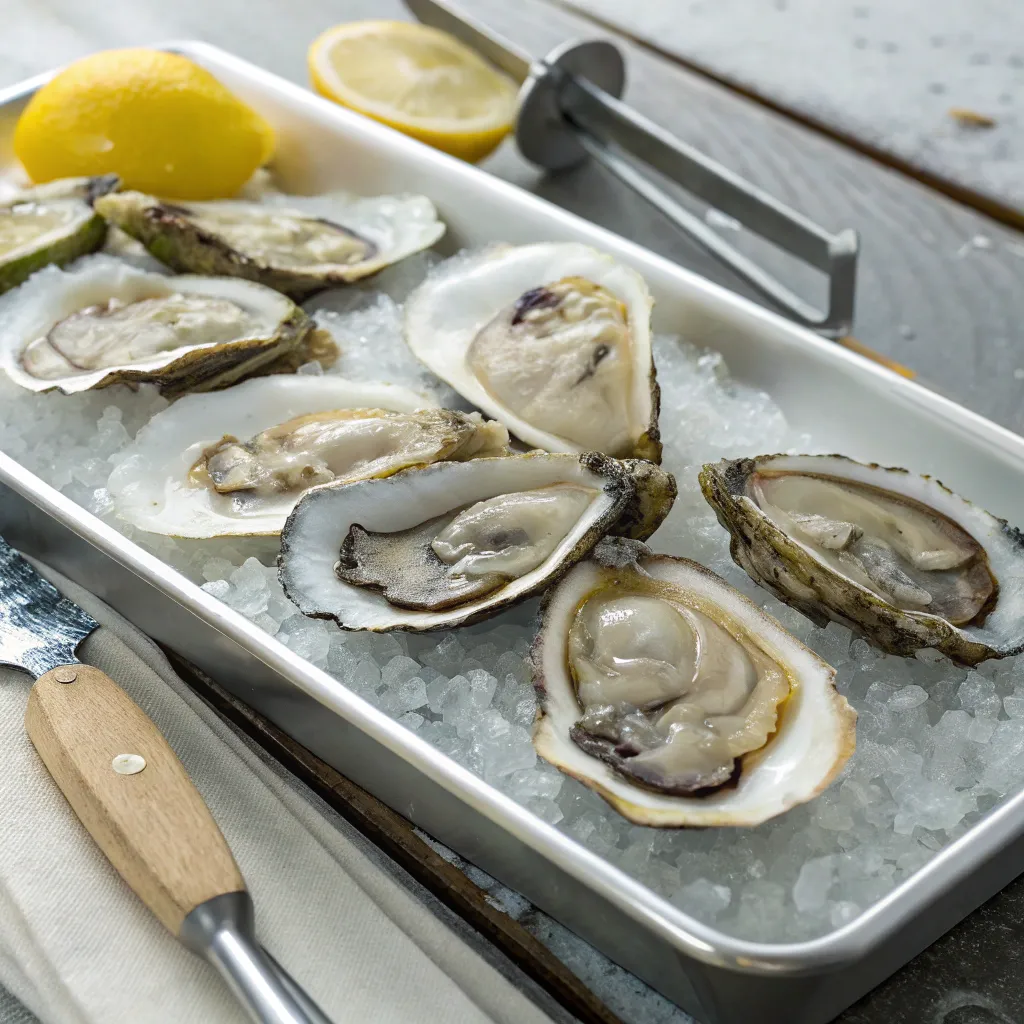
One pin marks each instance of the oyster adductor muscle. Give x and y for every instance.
(53, 223)
(104, 322)
(897, 556)
(553, 340)
(455, 542)
(296, 244)
(677, 699)
(235, 462)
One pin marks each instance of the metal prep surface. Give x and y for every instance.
(851, 405)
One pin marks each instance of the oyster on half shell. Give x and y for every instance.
(51, 223)
(235, 462)
(677, 699)
(897, 556)
(102, 322)
(296, 244)
(458, 541)
(553, 340)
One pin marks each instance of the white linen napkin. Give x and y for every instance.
(78, 947)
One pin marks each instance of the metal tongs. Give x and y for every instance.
(569, 110)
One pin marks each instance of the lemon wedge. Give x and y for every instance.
(158, 120)
(414, 78)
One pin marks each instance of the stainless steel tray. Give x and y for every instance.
(855, 406)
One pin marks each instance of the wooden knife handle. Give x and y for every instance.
(153, 825)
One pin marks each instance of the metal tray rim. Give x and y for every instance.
(690, 936)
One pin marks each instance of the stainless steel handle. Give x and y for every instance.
(580, 83)
(299, 994)
(836, 321)
(221, 930)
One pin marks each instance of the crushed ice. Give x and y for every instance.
(937, 745)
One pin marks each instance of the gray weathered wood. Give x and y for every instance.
(884, 72)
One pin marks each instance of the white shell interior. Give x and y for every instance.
(150, 485)
(31, 310)
(398, 225)
(323, 517)
(74, 213)
(1004, 626)
(444, 315)
(814, 738)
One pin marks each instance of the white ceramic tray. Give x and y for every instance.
(852, 406)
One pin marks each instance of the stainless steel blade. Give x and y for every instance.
(497, 50)
(40, 629)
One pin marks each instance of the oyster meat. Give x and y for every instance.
(458, 541)
(894, 555)
(52, 223)
(104, 322)
(677, 699)
(553, 340)
(235, 462)
(296, 244)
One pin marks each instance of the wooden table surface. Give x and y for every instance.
(888, 75)
(939, 290)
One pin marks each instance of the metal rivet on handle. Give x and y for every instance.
(65, 675)
(128, 764)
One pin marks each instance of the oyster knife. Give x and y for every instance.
(131, 792)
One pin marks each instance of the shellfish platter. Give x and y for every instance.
(608, 564)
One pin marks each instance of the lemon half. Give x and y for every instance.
(423, 82)
(158, 120)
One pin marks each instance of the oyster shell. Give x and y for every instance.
(103, 322)
(236, 461)
(897, 556)
(296, 244)
(454, 542)
(553, 340)
(52, 223)
(677, 699)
